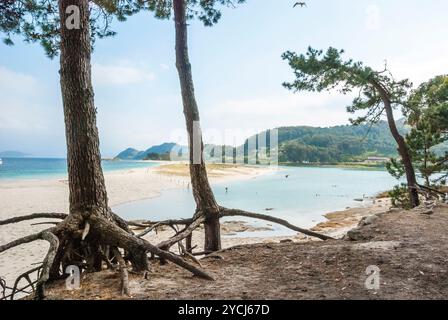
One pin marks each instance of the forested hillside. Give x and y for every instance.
(335, 144)
(301, 144)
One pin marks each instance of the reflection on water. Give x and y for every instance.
(299, 195)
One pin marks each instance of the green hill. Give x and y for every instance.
(160, 152)
(303, 144)
(300, 144)
(336, 144)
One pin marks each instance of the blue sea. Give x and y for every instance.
(301, 195)
(35, 168)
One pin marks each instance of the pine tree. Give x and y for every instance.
(379, 94)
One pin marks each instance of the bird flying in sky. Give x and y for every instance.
(300, 4)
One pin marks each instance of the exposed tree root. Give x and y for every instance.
(186, 253)
(48, 263)
(23, 290)
(79, 239)
(183, 234)
(148, 230)
(18, 242)
(92, 232)
(110, 234)
(430, 193)
(4, 287)
(235, 212)
(26, 275)
(148, 223)
(52, 215)
(124, 272)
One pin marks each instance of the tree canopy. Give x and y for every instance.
(378, 94)
(37, 21)
(427, 114)
(319, 71)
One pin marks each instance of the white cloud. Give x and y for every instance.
(12, 82)
(419, 62)
(19, 95)
(300, 108)
(30, 114)
(421, 71)
(289, 109)
(120, 74)
(164, 66)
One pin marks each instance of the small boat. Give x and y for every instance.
(1, 161)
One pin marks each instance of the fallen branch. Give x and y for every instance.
(51, 215)
(235, 212)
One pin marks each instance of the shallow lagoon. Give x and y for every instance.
(303, 198)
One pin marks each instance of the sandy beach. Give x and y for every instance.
(23, 197)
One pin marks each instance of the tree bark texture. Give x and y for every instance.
(85, 176)
(202, 192)
(403, 149)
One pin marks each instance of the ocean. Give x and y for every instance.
(301, 195)
(35, 168)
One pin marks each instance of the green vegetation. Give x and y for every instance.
(335, 144)
(341, 145)
(158, 156)
(377, 94)
(427, 114)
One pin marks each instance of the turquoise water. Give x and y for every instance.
(302, 198)
(29, 168)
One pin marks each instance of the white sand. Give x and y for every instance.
(51, 195)
(29, 196)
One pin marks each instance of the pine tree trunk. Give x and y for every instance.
(87, 190)
(85, 176)
(202, 192)
(90, 231)
(403, 150)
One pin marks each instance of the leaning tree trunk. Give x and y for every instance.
(202, 191)
(403, 149)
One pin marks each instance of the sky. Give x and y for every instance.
(237, 69)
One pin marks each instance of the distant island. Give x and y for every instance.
(160, 152)
(13, 154)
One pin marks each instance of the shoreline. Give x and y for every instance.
(21, 197)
